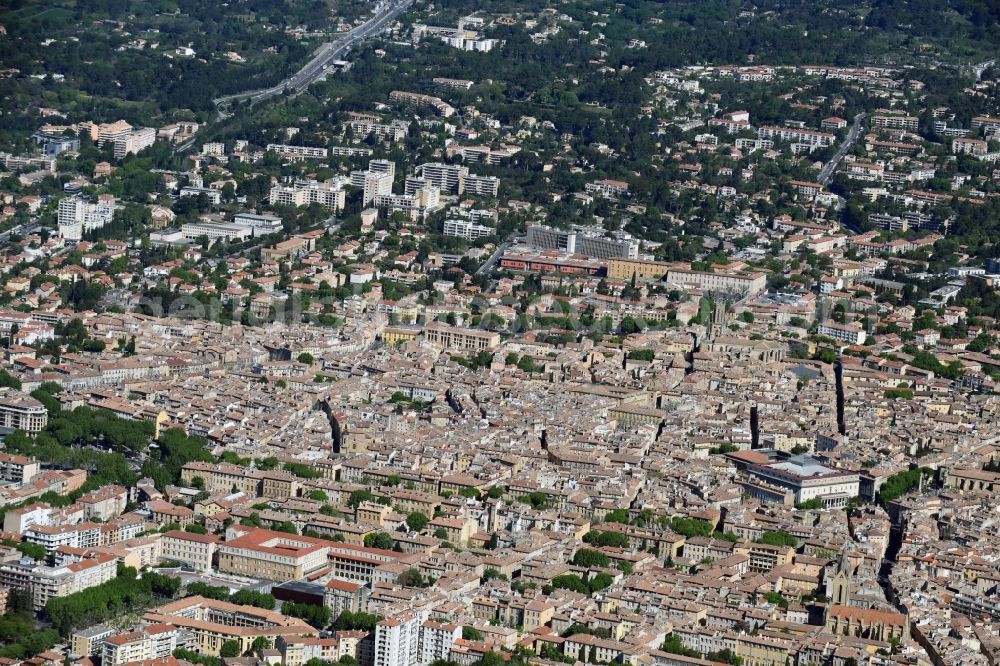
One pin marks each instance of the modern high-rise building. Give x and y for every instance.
(374, 184)
(444, 176)
(77, 216)
(480, 186)
(383, 166)
(397, 641)
(414, 183)
(436, 641)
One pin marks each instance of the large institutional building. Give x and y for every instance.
(272, 555)
(780, 478)
(580, 240)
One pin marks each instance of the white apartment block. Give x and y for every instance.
(452, 84)
(214, 196)
(372, 184)
(895, 122)
(109, 132)
(394, 131)
(51, 537)
(214, 149)
(466, 229)
(213, 231)
(989, 126)
(609, 189)
(383, 166)
(480, 186)
(348, 151)
(328, 194)
(447, 177)
(76, 216)
(458, 38)
(261, 224)
(418, 205)
(297, 152)
(18, 521)
(852, 334)
(414, 183)
(796, 135)
(436, 641)
(134, 142)
(397, 641)
(962, 145)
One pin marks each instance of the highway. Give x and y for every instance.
(827, 171)
(316, 68)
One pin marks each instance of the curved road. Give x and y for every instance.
(326, 54)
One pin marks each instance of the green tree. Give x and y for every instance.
(617, 516)
(417, 521)
(316, 615)
(382, 540)
(472, 634)
(359, 496)
(778, 538)
(591, 559)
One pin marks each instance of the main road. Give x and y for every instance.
(326, 54)
(827, 171)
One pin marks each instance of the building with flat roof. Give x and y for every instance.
(521, 258)
(297, 152)
(466, 229)
(261, 224)
(213, 195)
(87, 642)
(397, 641)
(77, 216)
(583, 240)
(329, 194)
(215, 231)
(851, 333)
